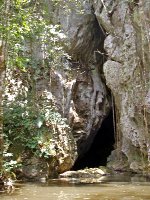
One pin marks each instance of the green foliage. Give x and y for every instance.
(26, 29)
(33, 130)
(25, 25)
(10, 164)
(17, 123)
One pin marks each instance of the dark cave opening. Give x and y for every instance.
(101, 147)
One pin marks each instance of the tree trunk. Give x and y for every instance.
(2, 70)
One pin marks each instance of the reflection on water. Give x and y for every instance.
(112, 188)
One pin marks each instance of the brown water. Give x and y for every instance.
(112, 188)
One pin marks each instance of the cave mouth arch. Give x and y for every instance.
(101, 147)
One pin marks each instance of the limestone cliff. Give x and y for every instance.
(124, 26)
(76, 89)
(86, 101)
(127, 73)
(107, 45)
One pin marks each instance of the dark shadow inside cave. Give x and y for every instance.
(101, 147)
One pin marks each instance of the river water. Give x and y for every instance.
(110, 188)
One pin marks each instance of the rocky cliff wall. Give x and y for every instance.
(124, 28)
(87, 103)
(107, 43)
(76, 90)
(127, 73)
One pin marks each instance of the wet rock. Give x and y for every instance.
(33, 169)
(85, 173)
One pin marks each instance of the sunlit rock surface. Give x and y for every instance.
(124, 25)
(89, 175)
(79, 88)
(127, 73)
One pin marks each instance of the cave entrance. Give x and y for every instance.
(101, 147)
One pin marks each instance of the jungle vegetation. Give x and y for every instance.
(30, 47)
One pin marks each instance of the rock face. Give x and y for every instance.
(86, 101)
(127, 74)
(126, 70)
(77, 90)
(124, 26)
(108, 46)
(83, 101)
